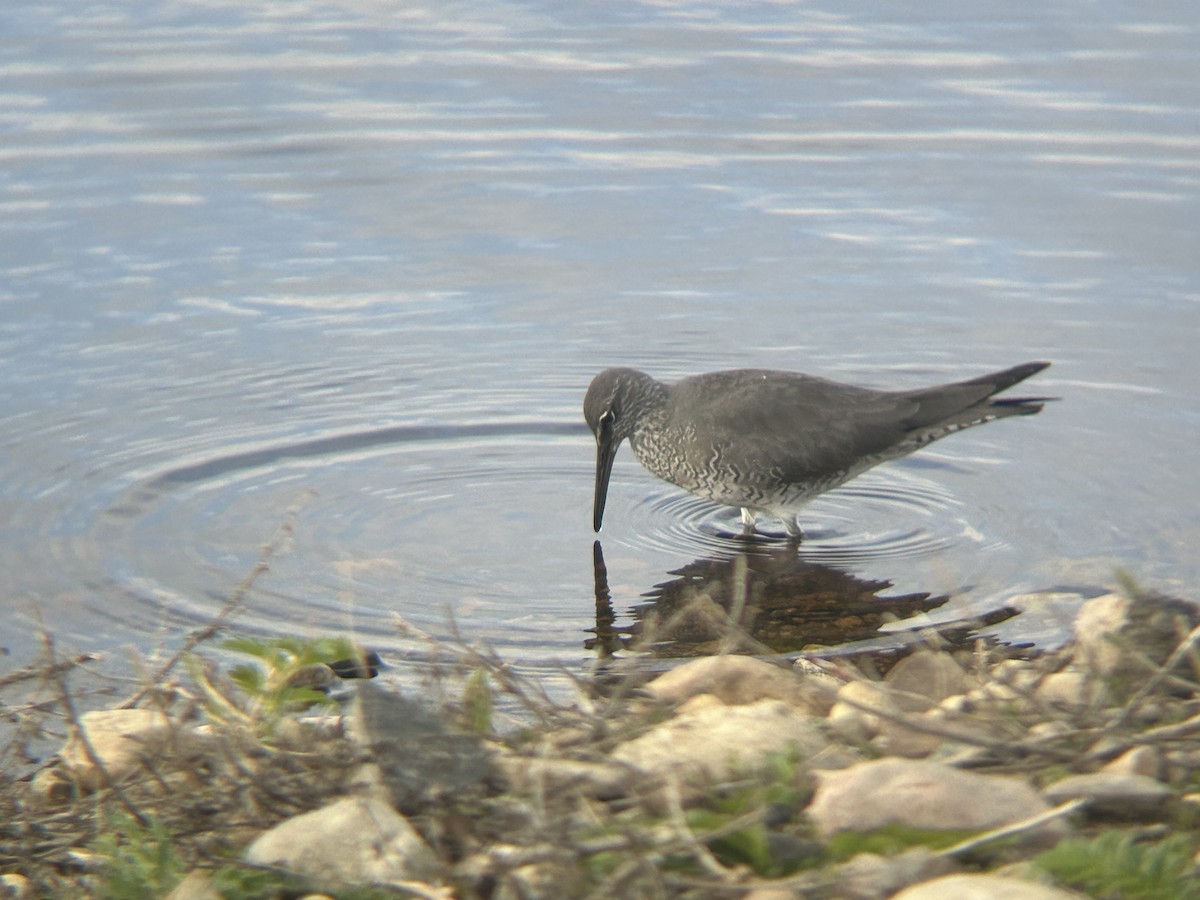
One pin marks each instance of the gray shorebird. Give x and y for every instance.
(770, 441)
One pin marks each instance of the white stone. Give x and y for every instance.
(983, 887)
(924, 679)
(122, 739)
(356, 840)
(738, 680)
(1137, 761)
(1097, 622)
(922, 794)
(714, 743)
(850, 716)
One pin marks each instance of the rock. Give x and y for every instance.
(15, 887)
(1138, 761)
(1097, 624)
(1113, 795)
(541, 881)
(851, 717)
(739, 680)
(50, 787)
(983, 887)
(869, 876)
(416, 753)
(122, 740)
(1072, 689)
(926, 678)
(770, 893)
(356, 840)
(550, 776)
(1150, 624)
(895, 739)
(699, 701)
(922, 794)
(196, 886)
(714, 743)
(853, 721)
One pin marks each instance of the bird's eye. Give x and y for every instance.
(607, 418)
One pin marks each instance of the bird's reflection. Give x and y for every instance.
(760, 599)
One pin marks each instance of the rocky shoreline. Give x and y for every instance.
(961, 772)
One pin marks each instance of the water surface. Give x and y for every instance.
(360, 262)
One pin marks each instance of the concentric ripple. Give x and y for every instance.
(464, 527)
(896, 512)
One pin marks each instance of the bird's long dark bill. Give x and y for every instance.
(606, 452)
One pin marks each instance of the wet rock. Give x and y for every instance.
(738, 680)
(984, 887)
(1113, 795)
(714, 743)
(869, 876)
(922, 794)
(356, 840)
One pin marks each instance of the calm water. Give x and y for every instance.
(361, 260)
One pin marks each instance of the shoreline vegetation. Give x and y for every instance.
(955, 769)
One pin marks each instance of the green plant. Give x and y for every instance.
(892, 839)
(1114, 865)
(477, 703)
(135, 860)
(279, 681)
(771, 785)
(749, 846)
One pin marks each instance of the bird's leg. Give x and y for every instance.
(791, 524)
(747, 522)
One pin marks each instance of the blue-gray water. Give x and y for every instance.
(364, 258)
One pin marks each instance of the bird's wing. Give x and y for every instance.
(788, 426)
